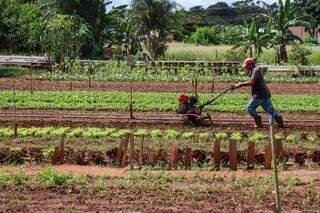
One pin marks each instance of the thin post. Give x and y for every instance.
(31, 83)
(233, 155)
(124, 152)
(61, 149)
(267, 156)
(131, 91)
(212, 86)
(279, 151)
(196, 86)
(250, 155)
(174, 155)
(119, 153)
(141, 152)
(15, 126)
(89, 75)
(188, 158)
(196, 79)
(275, 166)
(216, 154)
(131, 138)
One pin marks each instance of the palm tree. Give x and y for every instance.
(254, 39)
(282, 19)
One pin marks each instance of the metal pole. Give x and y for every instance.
(275, 166)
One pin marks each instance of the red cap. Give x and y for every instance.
(183, 98)
(247, 61)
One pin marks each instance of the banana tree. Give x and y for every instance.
(254, 39)
(282, 19)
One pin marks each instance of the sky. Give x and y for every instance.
(188, 3)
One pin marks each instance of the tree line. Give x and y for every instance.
(69, 29)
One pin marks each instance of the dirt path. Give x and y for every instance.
(304, 175)
(183, 87)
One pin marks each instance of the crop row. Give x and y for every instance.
(146, 101)
(114, 72)
(155, 134)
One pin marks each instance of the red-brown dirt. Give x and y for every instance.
(302, 174)
(236, 121)
(183, 87)
(222, 196)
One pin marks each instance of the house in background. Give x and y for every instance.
(302, 33)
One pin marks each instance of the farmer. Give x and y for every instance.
(260, 92)
(183, 104)
(187, 105)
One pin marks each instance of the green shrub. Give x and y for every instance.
(311, 41)
(204, 36)
(299, 54)
(51, 177)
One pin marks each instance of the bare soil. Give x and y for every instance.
(303, 174)
(232, 192)
(23, 83)
(232, 121)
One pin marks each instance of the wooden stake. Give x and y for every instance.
(89, 79)
(61, 149)
(267, 156)
(187, 158)
(233, 155)
(119, 153)
(279, 152)
(141, 152)
(212, 86)
(174, 155)
(15, 129)
(196, 87)
(131, 92)
(131, 157)
(81, 157)
(217, 154)
(55, 155)
(31, 82)
(124, 153)
(15, 125)
(250, 155)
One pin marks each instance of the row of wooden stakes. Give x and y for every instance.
(128, 145)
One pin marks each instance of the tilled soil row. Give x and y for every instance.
(232, 121)
(188, 195)
(23, 83)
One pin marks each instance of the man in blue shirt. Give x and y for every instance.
(260, 92)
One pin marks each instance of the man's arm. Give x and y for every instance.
(244, 84)
(256, 75)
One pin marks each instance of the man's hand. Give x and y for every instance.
(238, 85)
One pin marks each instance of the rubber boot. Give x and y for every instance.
(258, 122)
(279, 121)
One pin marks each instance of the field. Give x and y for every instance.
(152, 191)
(182, 51)
(69, 138)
